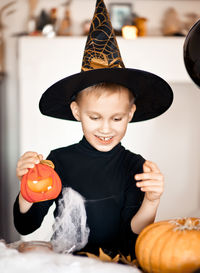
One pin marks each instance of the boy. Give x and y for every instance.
(121, 189)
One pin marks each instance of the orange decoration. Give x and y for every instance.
(170, 246)
(41, 183)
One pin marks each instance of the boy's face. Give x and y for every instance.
(104, 119)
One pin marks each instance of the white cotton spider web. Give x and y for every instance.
(70, 228)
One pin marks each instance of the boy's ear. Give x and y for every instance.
(75, 110)
(132, 111)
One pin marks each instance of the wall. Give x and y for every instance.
(14, 24)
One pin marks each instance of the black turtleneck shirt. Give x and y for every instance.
(106, 181)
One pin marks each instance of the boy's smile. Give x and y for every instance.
(105, 140)
(104, 118)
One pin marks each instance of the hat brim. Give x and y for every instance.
(153, 95)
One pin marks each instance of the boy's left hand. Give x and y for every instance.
(151, 181)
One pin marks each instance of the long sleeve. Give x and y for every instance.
(133, 201)
(28, 222)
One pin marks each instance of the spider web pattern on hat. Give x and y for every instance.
(101, 50)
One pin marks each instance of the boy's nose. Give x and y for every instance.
(105, 127)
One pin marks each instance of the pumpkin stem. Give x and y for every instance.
(48, 163)
(186, 224)
(189, 223)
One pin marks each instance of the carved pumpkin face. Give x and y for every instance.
(40, 183)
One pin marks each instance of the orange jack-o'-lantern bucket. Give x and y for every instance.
(41, 183)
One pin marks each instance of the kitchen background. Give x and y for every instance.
(31, 62)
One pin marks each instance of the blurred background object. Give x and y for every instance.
(192, 18)
(64, 28)
(141, 24)
(48, 31)
(129, 32)
(120, 15)
(152, 19)
(171, 23)
(41, 21)
(192, 53)
(31, 17)
(53, 16)
(86, 27)
(4, 12)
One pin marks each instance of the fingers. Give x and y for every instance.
(40, 157)
(153, 189)
(150, 171)
(20, 173)
(28, 159)
(146, 167)
(29, 154)
(151, 180)
(149, 183)
(149, 166)
(26, 162)
(150, 175)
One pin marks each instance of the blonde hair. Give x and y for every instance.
(108, 87)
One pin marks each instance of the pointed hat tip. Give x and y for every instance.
(101, 50)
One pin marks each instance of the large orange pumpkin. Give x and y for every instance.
(170, 246)
(41, 183)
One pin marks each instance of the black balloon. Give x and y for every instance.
(192, 53)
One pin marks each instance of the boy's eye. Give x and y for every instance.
(117, 119)
(94, 118)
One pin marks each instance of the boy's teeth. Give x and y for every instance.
(105, 138)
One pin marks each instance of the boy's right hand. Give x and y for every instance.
(27, 161)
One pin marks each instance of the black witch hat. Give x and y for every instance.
(102, 62)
